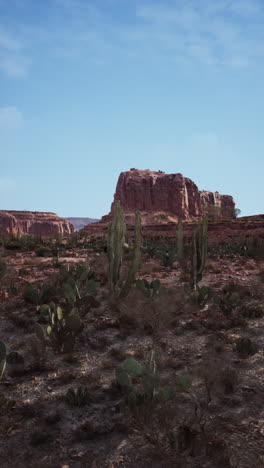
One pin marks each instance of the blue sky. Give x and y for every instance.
(91, 88)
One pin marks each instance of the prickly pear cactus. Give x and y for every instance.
(62, 328)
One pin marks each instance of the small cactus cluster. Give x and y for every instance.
(79, 397)
(38, 294)
(227, 302)
(78, 286)
(2, 359)
(120, 286)
(198, 251)
(149, 380)
(62, 328)
(152, 289)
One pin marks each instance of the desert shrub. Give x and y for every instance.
(38, 294)
(201, 296)
(217, 378)
(3, 268)
(43, 251)
(254, 247)
(252, 309)
(36, 353)
(13, 245)
(235, 287)
(245, 347)
(167, 254)
(16, 363)
(12, 290)
(223, 249)
(261, 276)
(24, 243)
(228, 379)
(231, 297)
(164, 251)
(79, 397)
(150, 310)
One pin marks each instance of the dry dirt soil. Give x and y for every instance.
(217, 422)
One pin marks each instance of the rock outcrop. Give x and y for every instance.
(173, 194)
(162, 200)
(34, 223)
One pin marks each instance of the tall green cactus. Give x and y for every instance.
(2, 359)
(198, 252)
(115, 244)
(136, 258)
(180, 250)
(120, 287)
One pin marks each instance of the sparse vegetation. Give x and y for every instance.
(71, 344)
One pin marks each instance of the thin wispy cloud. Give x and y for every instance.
(212, 34)
(226, 33)
(10, 118)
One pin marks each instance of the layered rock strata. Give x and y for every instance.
(34, 223)
(173, 194)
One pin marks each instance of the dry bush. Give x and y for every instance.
(36, 353)
(153, 316)
(218, 378)
(100, 265)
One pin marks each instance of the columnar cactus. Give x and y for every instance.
(180, 252)
(2, 359)
(115, 244)
(136, 258)
(118, 286)
(198, 252)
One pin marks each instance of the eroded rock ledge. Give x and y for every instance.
(33, 222)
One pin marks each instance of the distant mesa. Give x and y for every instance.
(34, 223)
(162, 198)
(79, 223)
(173, 194)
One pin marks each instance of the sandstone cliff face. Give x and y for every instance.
(170, 193)
(33, 222)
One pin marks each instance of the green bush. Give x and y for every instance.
(42, 251)
(39, 294)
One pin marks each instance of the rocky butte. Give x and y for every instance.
(163, 198)
(173, 194)
(34, 223)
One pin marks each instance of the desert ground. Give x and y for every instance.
(68, 409)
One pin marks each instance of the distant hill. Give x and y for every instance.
(79, 223)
